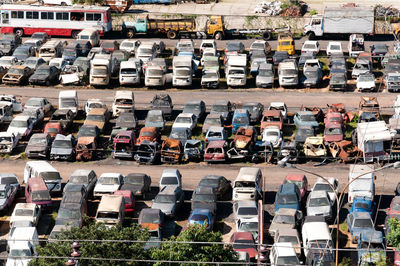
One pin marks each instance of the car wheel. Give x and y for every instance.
(47, 83)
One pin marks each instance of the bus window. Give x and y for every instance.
(77, 16)
(62, 16)
(93, 16)
(17, 14)
(32, 14)
(5, 17)
(47, 15)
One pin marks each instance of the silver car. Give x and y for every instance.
(319, 204)
(243, 210)
(168, 200)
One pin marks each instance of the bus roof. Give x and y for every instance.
(53, 8)
(42, 166)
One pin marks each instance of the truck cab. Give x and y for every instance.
(215, 27)
(314, 26)
(236, 70)
(286, 43)
(182, 71)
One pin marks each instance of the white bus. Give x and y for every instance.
(54, 20)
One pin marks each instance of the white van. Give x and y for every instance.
(91, 35)
(23, 234)
(315, 233)
(51, 49)
(111, 210)
(68, 100)
(124, 101)
(43, 169)
(129, 72)
(248, 184)
(364, 185)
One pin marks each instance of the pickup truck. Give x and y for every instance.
(12, 100)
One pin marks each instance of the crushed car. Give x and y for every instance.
(314, 147)
(216, 151)
(193, 150)
(262, 152)
(73, 75)
(124, 144)
(17, 75)
(171, 151)
(243, 142)
(8, 142)
(150, 134)
(148, 152)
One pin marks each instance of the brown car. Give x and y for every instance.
(86, 148)
(150, 134)
(17, 75)
(171, 151)
(98, 117)
(271, 118)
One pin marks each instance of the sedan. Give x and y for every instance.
(17, 75)
(244, 242)
(285, 218)
(204, 198)
(319, 204)
(357, 223)
(219, 184)
(203, 217)
(305, 118)
(34, 62)
(138, 183)
(39, 103)
(300, 181)
(255, 110)
(45, 75)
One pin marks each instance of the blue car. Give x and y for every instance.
(363, 204)
(288, 196)
(241, 117)
(358, 223)
(305, 118)
(203, 217)
(371, 248)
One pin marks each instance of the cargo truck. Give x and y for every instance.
(236, 70)
(100, 70)
(348, 20)
(182, 69)
(175, 28)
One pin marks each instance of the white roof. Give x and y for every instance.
(185, 115)
(372, 132)
(124, 94)
(42, 166)
(23, 233)
(68, 93)
(285, 249)
(5, 134)
(87, 31)
(52, 8)
(110, 203)
(29, 206)
(21, 118)
(316, 231)
(357, 169)
(310, 42)
(128, 64)
(110, 175)
(246, 173)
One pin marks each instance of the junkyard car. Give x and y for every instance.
(271, 118)
(319, 204)
(162, 102)
(243, 143)
(39, 103)
(169, 200)
(366, 82)
(17, 75)
(138, 183)
(148, 152)
(8, 142)
(171, 151)
(255, 110)
(124, 144)
(216, 151)
(38, 146)
(193, 150)
(223, 108)
(262, 152)
(285, 218)
(108, 183)
(314, 147)
(155, 118)
(45, 75)
(73, 75)
(22, 125)
(305, 118)
(98, 117)
(273, 135)
(26, 212)
(212, 120)
(358, 223)
(150, 134)
(63, 148)
(125, 121)
(64, 117)
(86, 146)
(12, 101)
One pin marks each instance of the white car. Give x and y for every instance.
(22, 125)
(273, 135)
(8, 142)
(108, 183)
(322, 185)
(208, 44)
(129, 46)
(26, 212)
(185, 120)
(11, 100)
(21, 254)
(58, 62)
(279, 106)
(260, 45)
(319, 204)
(396, 47)
(34, 62)
(283, 254)
(39, 103)
(8, 61)
(208, 52)
(334, 48)
(310, 46)
(243, 210)
(93, 103)
(366, 82)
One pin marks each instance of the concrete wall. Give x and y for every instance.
(246, 22)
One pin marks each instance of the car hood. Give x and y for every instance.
(265, 79)
(164, 207)
(106, 188)
(274, 227)
(322, 210)
(133, 188)
(35, 148)
(38, 77)
(204, 205)
(61, 151)
(272, 139)
(17, 130)
(366, 84)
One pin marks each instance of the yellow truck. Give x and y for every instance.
(286, 43)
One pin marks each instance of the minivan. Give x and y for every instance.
(51, 49)
(44, 170)
(37, 192)
(111, 210)
(248, 184)
(129, 72)
(364, 186)
(91, 35)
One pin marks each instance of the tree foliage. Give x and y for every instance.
(109, 249)
(176, 251)
(393, 236)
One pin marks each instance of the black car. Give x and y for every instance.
(138, 183)
(204, 198)
(221, 186)
(148, 153)
(8, 43)
(88, 131)
(163, 102)
(23, 52)
(279, 56)
(366, 117)
(255, 110)
(84, 47)
(338, 81)
(45, 75)
(125, 121)
(303, 132)
(224, 108)
(196, 107)
(70, 214)
(378, 51)
(83, 62)
(64, 117)
(38, 146)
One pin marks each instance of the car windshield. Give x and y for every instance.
(322, 187)
(393, 78)
(236, 72)
(336, 47)
(155, 73)
(109, 180)
(164, 199)
(249, 226)
(20, 253)
(37, 141)
(211, 63)
(5, 139)
(311, 74)
(309, 46)
(191, 108)
(289, 72)
(5, 62)
(68, 214)
(81, 62)
(19, 123)
(333, 131)
(146, 133)
(243, 244)
(21, 52)
(182, 72)
(34, 103)
(169, 180)
(287, 260)
(247, 211)
(9, 180)
(69, 52)
(23, 212)
(150, 219)
(290, 239)
(97, 118)
(100, 71)
(204, 197)
(265, 73)
(257, 46)
(62, 144)
(214, 134)
(145, 51)
(206, 182)
(361, 205)
(366, 78)
(87, 131)
(154, 118)
(68, 102)
(272, 133)
(338, 79)
(183, 120)
(199, 218)
(42, 195)
(296, 182)
(363, 223)
(78, 179)
(287, 199)
(126, 44)
(284, 219)
(16, 71)
(241, 120)
(108, 45)
(319, 202)
(134, 180)
(308, 118)
(42, 71)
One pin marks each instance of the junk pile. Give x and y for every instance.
(273, 8)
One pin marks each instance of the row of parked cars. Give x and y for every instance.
(299, 227)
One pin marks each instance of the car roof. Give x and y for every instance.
(216, 144)
(318, 194)
(24, 205)
(245, 173)
(285, 249)
(361, 215)
(170, 171)
(286, 211)
(297, 177)
(246, 203)
(212, 177)
(79, 172)
(110, 175)
(110, 203)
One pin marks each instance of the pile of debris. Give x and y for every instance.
(381, 11)
(273, 8)
(292, 11)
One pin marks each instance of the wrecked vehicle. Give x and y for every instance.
(317, 112)
(162, 102)
(98, 117)
(372, 140)
(155, 118)
(52, 129)
(333, 132)
(171, 151)
(333, 118)
(38, 146)
(314, 147)
(288, 149)
(271, 118)
(124, 101)
(63, 148)
(303, 132)
(243, 142)
(338, 82)
(262, 152)
(272, 134)
(124, 144)
(312, 73)
(125, 121)
(45, 75)
(12, 101)
(73, 75)
(6, 112)
(64, 117)
(8, 142)
(255, 110)
(216, 151)
(343, 150)
(150, 134)
(193, 150)
(86, 148)
(17, 75)
(366, 82)
(212, 120)
(368, 104)
(148, 152)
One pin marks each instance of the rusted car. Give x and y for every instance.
(124, 144)
(314, 147)
(98, 117)
(262, 152)
(317, 112)
(216, 151)
(271, 118)
(333, 118)
(171, 151)
(17, 75)
(333, 132)
(125, 121)
(370, 105)
(150, 134)
(193, 150)
(344, 150)
(86, 148)
(243, 143)
(53, 128)
(148, 152)
(64, 117)
(340, 108)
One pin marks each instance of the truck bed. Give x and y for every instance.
(172, 24)
(349, 20)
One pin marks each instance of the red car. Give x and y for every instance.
(394, 208)
(244, 242)
(53, 128)
(333, 118)
(109, 46)
(299, 180)
(216, 151)
(129, 200)
(333, 132)
(149, 134)
(271, 118)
